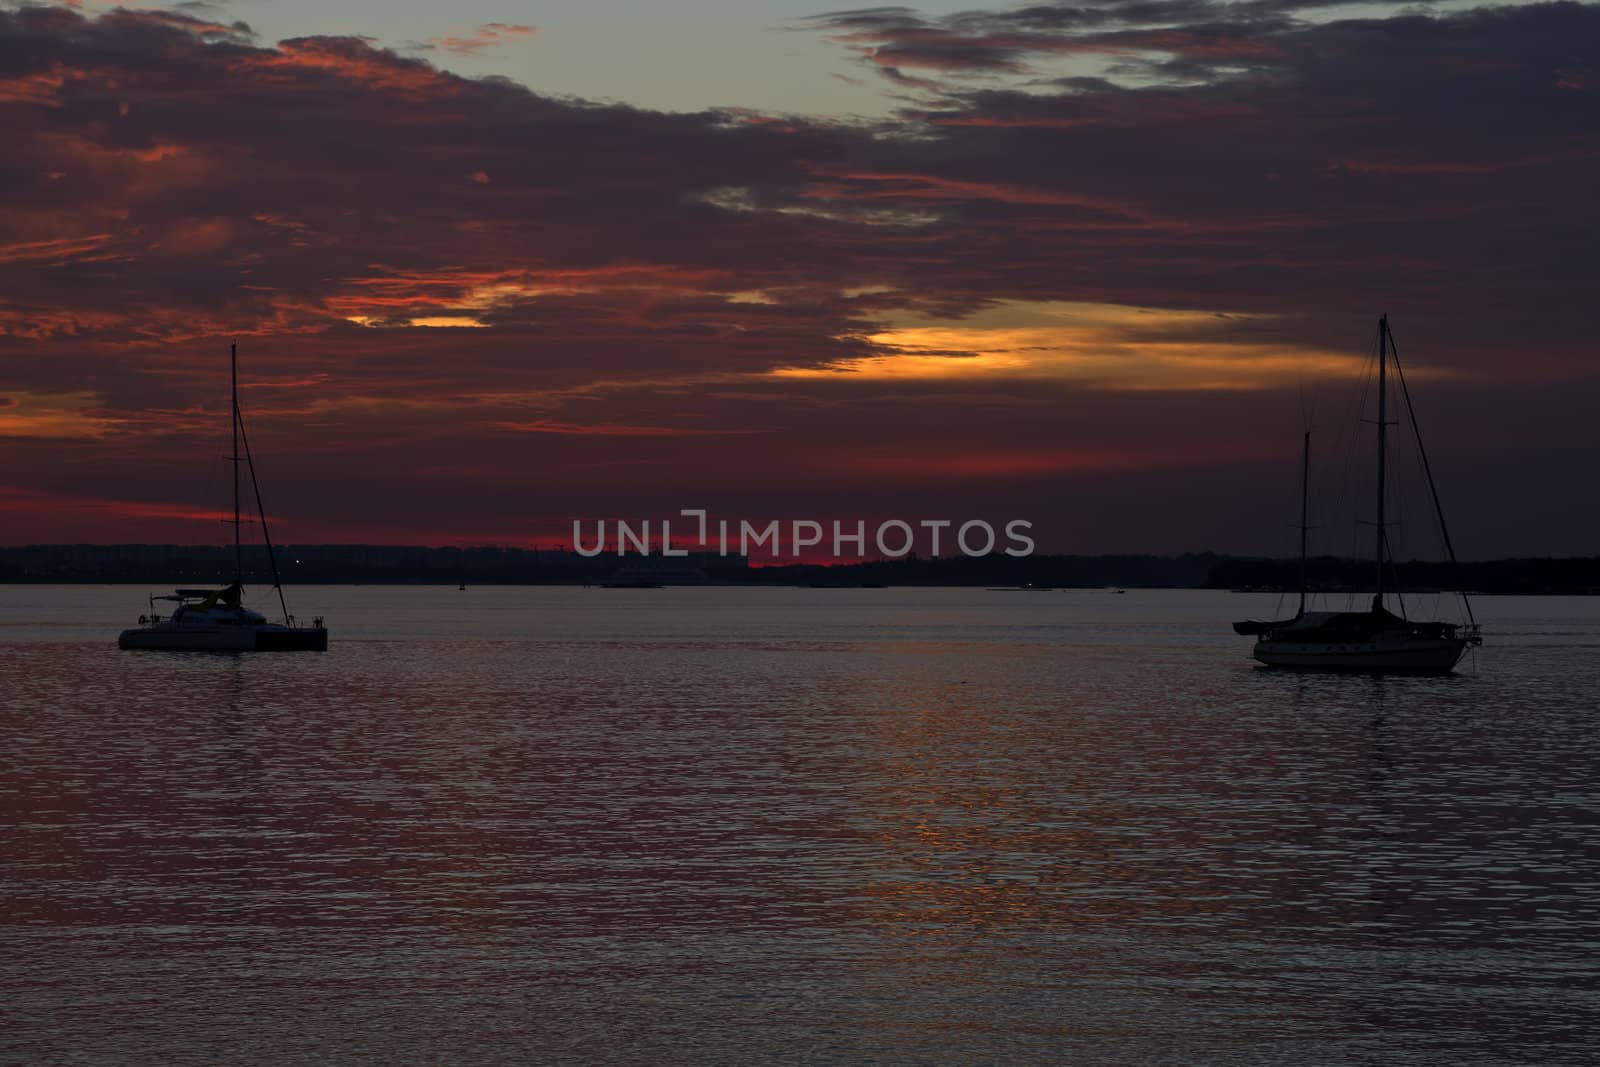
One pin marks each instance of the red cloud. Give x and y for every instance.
(350, 59)
(24, 504)
(36, 87)
(607, 429)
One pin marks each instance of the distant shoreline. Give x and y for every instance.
(159, 565)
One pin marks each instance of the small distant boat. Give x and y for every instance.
(216, 620)
(1376, 639)
(462, 587)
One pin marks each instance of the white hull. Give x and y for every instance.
(1436, 655)
(184, 639)
(268, 638)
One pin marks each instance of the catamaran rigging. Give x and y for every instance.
(216, 619)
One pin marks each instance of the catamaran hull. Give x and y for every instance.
(1420, 656)
(183, 639)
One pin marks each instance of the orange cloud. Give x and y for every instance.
(453, 296)
(488, 35)
(58, 415)
(57, 250)
(1098, 345)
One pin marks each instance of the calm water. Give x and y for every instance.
(791, 826)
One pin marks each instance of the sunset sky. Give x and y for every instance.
(493, 266)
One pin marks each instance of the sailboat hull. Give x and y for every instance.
(226, 639)
(1376, 639)
(1410, 655)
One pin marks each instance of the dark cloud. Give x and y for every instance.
(455, 294)
(1142, 35)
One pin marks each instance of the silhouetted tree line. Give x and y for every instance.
(491, 565)
(1335, 574)
(1061, 572)
(379, 564)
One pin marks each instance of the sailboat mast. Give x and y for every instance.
(238, 551)
(1383, 427)
(1305, 482)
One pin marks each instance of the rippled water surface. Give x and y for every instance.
(791, 825)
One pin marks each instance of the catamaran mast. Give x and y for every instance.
(238, 552)
(1383, 427)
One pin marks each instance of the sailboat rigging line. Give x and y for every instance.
(1383, 430)
(272, 558)
(1346, 451)
(238, 552)
(1305, 489)
(1427, 469)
